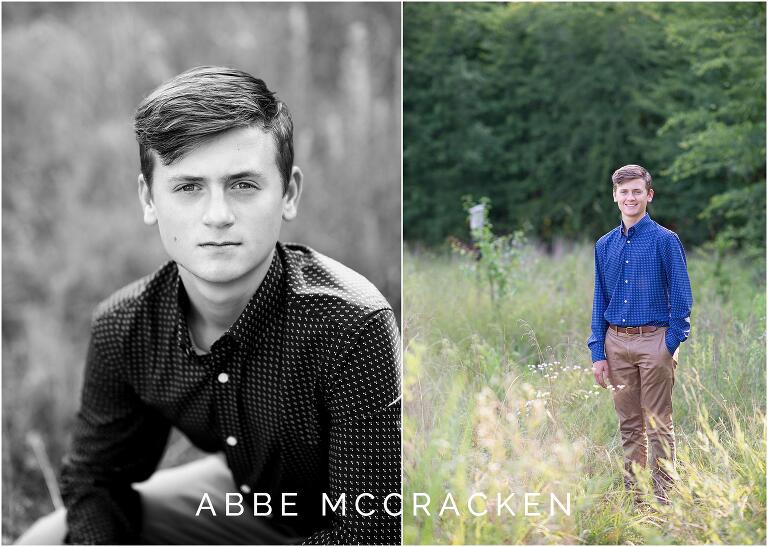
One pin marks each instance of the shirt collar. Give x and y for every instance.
(257, 315)
(639, 226)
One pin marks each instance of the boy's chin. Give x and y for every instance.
(218, 274)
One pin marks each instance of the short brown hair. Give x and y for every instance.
(631, 172)
(203, 102)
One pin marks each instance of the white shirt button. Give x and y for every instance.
(231, 441)
(245, 489)
(627, 261)
(629, 241)
(623, 320)
(223, 377)
(625, 281)
(625, 301)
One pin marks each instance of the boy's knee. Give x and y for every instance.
(48, 530)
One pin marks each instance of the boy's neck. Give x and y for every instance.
(629, 222)
(214, 307)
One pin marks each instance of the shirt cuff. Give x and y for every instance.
(671, 343)
(598, 354)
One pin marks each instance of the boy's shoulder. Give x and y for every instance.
(156, 288)
(665, 233)
(605, 238)
(316, 281)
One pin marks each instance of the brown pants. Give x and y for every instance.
(642, 372)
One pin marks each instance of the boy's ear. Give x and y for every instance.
(147, 204)
(292, 194)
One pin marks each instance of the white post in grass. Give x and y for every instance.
(477, 217)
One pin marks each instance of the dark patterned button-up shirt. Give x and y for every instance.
(641, 278)
(301, 394)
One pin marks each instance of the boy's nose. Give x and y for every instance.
(218, 213)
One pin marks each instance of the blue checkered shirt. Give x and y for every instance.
(640, 279)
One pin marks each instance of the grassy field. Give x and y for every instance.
(500, 398)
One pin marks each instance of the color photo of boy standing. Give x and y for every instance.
(640, 316)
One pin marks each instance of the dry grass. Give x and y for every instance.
(503, 400)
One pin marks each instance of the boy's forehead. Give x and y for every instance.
(633, 183)
(240, 148)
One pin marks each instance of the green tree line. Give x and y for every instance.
(535, 105)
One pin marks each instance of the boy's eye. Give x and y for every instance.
(188, 188)
(244, 185)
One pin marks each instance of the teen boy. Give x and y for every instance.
(280, 359)
(640, 315)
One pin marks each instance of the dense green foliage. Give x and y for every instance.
(499, 397)
(535, 105)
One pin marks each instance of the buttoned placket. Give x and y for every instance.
(625, 273)
(227, 370)
(225, 373)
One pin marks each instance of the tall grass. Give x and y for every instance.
(501, 399)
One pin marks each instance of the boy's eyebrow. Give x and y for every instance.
(226, 178)
(186, 178)
(243, 174)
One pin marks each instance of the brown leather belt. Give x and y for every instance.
(633, 330)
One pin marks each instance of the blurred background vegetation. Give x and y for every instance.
(535, 105)
(73, 74)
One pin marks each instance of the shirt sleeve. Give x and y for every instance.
(117, 441)
(363, 398)
(679, 293)
(596, 341)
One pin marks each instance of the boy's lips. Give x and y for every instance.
(219, 244)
